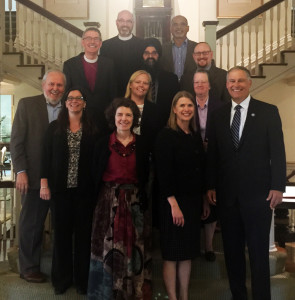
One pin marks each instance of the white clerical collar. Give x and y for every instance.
(91, 61)
(125, 38)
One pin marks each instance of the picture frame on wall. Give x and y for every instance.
(236, 8)
(68, 9)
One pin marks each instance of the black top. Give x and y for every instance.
(54, 165)
(179, 163)
(126, 55)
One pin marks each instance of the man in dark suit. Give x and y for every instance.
(246, 179)
(124, 50)
(94, 73)
(31, 120)
(203, 60)
(205, 105)
(161, 95)
(177, 54)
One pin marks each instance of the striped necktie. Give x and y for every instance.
(235, 126)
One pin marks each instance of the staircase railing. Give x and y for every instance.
(255, 38)
(42, 37)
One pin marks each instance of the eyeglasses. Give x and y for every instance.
(204, 53)
(90, 39)
(121, 21)
(75, 98)
(200, 82)
(147, 53)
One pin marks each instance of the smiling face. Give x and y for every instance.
(238, 85)
(125, 23)
(53, 87)
(179, 27)
(201, 85)
(203, 55)
(91, 42)
(123, 118)
(140, 86)
(184, 110)
(75, 103)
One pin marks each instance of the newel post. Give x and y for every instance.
(210, 34)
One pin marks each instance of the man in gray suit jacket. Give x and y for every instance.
(30, 123)
(177, 54)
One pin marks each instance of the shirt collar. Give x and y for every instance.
(125, 38)
(244, 103)
(183, 44)
(58, 105)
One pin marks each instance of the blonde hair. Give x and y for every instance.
(132, 78)
(172, 121)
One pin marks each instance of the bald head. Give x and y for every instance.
(125, 23)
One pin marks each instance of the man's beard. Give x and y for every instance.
(151, 65)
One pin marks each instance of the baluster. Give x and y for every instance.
(271, 35)
(68, 44)
(278, 32)
(220, 54)
(31, 16)
(18, 17)
(235, 46)
(25, 36)
(242, 45)
(263, 37)
(249, 47)
(227, 51)
(256, 45)
(10, 41)
(46, 52)
(38, 42)
(286, 25)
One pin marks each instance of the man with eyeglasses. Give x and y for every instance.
(161, 95)
(203, 60)
(124, 49)
(177, 54)
(31, 120)
(94, 73)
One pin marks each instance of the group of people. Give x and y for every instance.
(131, 129)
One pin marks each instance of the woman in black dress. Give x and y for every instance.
(179, 161)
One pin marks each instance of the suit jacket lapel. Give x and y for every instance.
(249, 121)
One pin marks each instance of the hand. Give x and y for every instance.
(206, 209)
(275, 198)
(177, 216)
(22, 182)
(45, 193)
(211, 196)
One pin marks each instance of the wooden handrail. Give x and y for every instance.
(254, 13)
(45, 13)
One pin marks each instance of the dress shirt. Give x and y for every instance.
(243, 110)
(53, 111)
(179, 55)
(202, 112)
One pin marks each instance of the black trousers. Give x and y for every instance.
(242, 225)
(72, 220)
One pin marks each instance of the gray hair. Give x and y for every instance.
(54, 71)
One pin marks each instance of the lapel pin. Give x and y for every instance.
(252, 115)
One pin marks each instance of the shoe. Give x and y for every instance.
(59, 291)
(81, 291)
(34, 277)
(210, 256)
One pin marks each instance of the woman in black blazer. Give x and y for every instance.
(139, 90)
(67, 182)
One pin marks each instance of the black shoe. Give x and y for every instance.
(35, 277)
(210, 256)
(81, 291)
(59, 291)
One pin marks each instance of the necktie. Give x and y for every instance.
(153, 91)
(235, 126)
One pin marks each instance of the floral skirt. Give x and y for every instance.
(120, 264)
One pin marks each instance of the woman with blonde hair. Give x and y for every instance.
(139, 90)
(180, 163)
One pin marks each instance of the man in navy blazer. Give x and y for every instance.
(246, 182)
(94, 73)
